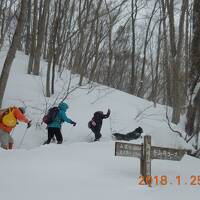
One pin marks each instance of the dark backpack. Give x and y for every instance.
(51, 115)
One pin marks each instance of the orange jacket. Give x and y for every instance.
(18, 115)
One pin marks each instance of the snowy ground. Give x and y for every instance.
(78, 169)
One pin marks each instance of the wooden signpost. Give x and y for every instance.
(146, 153)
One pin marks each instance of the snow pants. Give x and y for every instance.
(54, 131)
(5, 139)
(96, 131)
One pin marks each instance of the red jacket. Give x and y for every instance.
(18, 115)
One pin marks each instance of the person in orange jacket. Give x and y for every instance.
(6, 139)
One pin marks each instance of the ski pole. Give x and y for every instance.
(111, 130)
(89, 133)
(70, 131)
(22, 140)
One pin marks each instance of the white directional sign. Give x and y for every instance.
(128, 150)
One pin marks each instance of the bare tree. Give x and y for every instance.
(193, 111)
(176, 53)
(148, 36)
(155, 75)
(51, 47)
(134, 12)
(40, 36)
(28, 27)
(6, 16)
(167, 77)
(68, 14)
(12, 50)
(33, 37)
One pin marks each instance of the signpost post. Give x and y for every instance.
(145, 152)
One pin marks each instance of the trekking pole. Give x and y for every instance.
(11, 133)
(70, 131)
(22, 140)
(110, 125)
(89, 133)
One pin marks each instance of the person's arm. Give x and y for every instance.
(66, 119)
(20, 116)
(107, 114)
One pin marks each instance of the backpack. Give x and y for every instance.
(51, 115)
(8, 118)
(91, 124)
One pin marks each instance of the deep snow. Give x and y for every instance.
(78, 169)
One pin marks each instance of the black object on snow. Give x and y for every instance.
(129, 136)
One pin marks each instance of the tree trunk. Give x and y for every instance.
(140, 92)
(133, 71)
(156, 79)
(191, 114)
(187, 57)
(5, 20)
(33, 38)
(176, 57)
(12, 50)
(166, 68)
(51, 53)
(193, 106)
(28, 28)
(40, 37)
(46, 38)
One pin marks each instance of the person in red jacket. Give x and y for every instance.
(6, 139)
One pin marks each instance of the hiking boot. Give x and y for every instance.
(47, 142)
(10, 145)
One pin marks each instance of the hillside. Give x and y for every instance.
(78, 169)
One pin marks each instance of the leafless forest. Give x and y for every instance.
(148, 48)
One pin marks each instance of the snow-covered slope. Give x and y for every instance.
(78, 169)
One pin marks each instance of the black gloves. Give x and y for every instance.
(29, 124)
(108, 113)
(73, 123)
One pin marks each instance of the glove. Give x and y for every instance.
(108, 112)
(29, 124)
(73, 123)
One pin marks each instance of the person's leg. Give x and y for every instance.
(50, 135)
(58, 135)
(97, 133)
(4, 139)
(11, 142)
(10, 145)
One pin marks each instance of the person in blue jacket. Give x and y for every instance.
(54, 128)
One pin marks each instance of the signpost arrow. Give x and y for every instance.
(128, 150)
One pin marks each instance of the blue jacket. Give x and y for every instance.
(61, 116)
